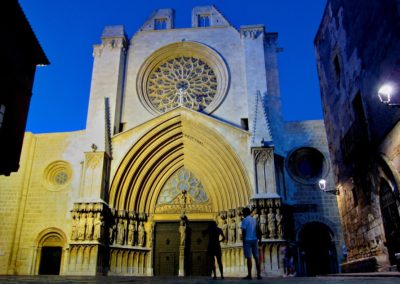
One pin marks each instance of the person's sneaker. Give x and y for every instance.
(248, 277)
(259, 277)
(222, 277)
(215, 277)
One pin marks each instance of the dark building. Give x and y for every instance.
(20, 56)
(358, 52)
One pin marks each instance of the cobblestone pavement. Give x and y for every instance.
(385, 279)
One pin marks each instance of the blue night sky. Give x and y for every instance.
(68, 29)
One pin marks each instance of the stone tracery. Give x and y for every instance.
(182, 180)
(184, 80)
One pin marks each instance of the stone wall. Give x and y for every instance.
(357, 123)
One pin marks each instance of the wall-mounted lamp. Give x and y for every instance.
(322, 187)
(385, 94)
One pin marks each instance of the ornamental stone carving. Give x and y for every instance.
(279, 223)
(98, 227)
(225, 229)
(185, 74)
(183, 191)
(271, 224)
(88, 222)
(263, 223)
(182, 233)
(121, 232)
(232, 231)
(131, 233)
(89, 226)
(82, 227)
(251, 32)
(141, 235)
(183, 80)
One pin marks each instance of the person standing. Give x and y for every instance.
(250, 242)
(288, 261)
(214, 247)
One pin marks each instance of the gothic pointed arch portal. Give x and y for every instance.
(180, 142)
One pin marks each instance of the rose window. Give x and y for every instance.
(186, 81)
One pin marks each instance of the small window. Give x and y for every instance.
(336, 65)
(160, 24)
(244, 123)
(204, 21)
(2, 111)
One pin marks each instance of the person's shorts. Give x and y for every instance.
(214, 251)
(288, 262)
(250, 247)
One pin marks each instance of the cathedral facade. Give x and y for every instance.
(184, 127)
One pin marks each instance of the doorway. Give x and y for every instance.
(166, 249)
(50, 261)
(196, 261)
(390, 219)
(316, 249)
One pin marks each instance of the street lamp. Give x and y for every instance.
(322, 187)
(385, 94)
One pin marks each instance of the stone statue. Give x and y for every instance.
(89, 226)
(239, 229)
(121, 232)
(271, 224)
(225, 230)
(74, 228)
(150, 237)
(263, 223)
(141, 235)
(113, 229)
(81, 227)
(182, 232)
(131, 233)
(279, 223)
(232, 231)
(221, 223)
(255, 214)
(97, 227)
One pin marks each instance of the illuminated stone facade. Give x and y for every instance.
(355, 59)
(184, 127)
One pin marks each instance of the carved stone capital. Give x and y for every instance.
(262, 154)
(251, 32)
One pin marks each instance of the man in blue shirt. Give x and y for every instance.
(250, 242)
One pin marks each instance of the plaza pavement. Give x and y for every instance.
(364, 278)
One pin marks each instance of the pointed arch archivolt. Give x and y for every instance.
(179, 140)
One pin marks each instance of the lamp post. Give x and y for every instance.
(322, 187)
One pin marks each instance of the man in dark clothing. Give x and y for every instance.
(214, 247)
